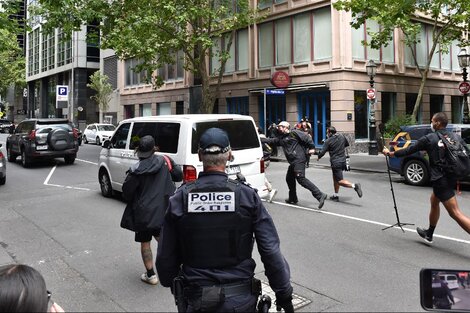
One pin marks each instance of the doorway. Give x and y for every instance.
(316, 107)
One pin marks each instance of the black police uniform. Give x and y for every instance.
(441, 294)
(336, 145)
(210, 248)
(296, 145)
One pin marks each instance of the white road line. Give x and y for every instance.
(367, 221)
(85, 161)
(46, 182)
(50, 174)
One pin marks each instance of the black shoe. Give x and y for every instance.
(423, 233)
(334, 198)
(291, 202)
(358, 189)
(322, 200)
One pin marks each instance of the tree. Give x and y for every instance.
(154, 31)
(104, 90)
(449, 20)
(12, 62)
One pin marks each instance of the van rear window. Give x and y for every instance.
(166, 135)
(241, 133)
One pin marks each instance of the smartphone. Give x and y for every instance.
(445, 290)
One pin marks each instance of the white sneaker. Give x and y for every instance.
(152, 280)
(272, 193)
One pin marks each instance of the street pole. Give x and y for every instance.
(265, 122)
(466, 117)
(371, 69)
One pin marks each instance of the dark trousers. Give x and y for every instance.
(296, 172)
(240, 303)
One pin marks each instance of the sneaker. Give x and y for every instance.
(152, 280)
(358, 190)
(322, 200)
(423, 233)
(334, 198)
(272, 194)
(291, 201)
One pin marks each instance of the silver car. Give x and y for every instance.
(3, 167)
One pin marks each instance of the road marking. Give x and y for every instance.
(367, 221)
(46, 182)
(85, 161)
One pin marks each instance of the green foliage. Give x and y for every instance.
(153, 30)
(392, 127)
(104, 90)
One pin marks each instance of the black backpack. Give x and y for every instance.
(454, 161)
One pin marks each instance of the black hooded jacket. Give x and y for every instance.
(147, 188)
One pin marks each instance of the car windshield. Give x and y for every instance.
(106, 128)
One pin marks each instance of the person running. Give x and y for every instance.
(442, 184)
(267, 150)
(296, 145)
(336, 144)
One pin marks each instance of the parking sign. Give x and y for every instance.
(62, 96)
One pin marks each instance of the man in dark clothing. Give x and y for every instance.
(441, 294)
(207, 240)
(336, 144)
(147, 188)
(442, 184)
(296, 145)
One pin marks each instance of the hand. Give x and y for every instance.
(285, 303)
(311, 151)
(385, 151)
(56, 308)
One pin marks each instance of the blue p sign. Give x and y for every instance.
(62, 91)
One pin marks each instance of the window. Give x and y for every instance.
(164, 108)
(179, 107)
(283, 41)
(456, 103)
(110, 70)
(238, 105)
(145, 109)
(389, 103)
(302, 38)
(64, 53)
(322, 34)
(133, 77)
(35, 44)
(129, 111)
(384, 54)
(119, 139)
(262, 4)
(435, 104)
(30, 53)
(265, 45)
(410, 104)
(361, 112)
(238, 60)
(173, 71)
(166, 135)
(92, 43)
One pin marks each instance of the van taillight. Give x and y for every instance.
(261, 166)
(393, 143)
(189, 173)
(75, 133)
(32, 134)
(1, 155)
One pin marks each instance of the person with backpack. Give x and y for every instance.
(296, 145)
(438, 144)
(336, 145)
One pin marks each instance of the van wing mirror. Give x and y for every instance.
(107, 144)
(445, 290)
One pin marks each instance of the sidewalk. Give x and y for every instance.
(359, 162)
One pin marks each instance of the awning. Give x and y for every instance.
(292, 88)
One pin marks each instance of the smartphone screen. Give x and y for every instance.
(445, 290)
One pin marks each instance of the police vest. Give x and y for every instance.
(213, 232)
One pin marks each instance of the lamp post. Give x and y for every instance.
(371, 69)
(464, 60)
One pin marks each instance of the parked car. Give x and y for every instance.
(6, 126)
(79, 134)
(178, 137)
(415, 167)
(97, 133)
(450, 280)
(43, 138)
(3, 168)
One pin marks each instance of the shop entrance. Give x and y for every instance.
(316, 107)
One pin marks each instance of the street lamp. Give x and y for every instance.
(464, 60)
(371, 69)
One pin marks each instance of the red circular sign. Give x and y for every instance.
(464, 87)
(371, 93)
(280, 79)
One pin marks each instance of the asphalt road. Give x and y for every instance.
(53, 217)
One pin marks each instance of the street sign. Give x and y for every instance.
(464, 87)
(371, 93)
(275, 92)
(62, 96)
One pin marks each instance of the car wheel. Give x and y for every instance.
(3, 180)
(105, 184)
(416, 173)
(85, 140)
(69, 159)
(10, 155)
(98, 141)
(25, 160)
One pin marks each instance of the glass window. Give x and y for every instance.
(265, 45)
(374, 54)
(421, 47)
(357, 47)
(238, 105)
(435, 104)
(389, 102)
(242, 49)
(384, 54)
(302, 38)
(446, 61)
(361, 123)
(215, 63)
(322, 34)
(454, 52)
(456, 103)
(230, 63)
(166, 135)
(164, 108)
(283, 42)
(410, 104)
(119, 139)
(146, 109)
(435, 61)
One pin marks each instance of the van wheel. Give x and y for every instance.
(98, 142)
(10, 155)
(84, 139)
(105, 184)
(416, 173)
(25, 160)
(3, 180)
(69, 159)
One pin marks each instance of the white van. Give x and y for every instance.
(451, 280)
(178, 136)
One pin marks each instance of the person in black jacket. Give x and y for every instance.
(297, 145)
(147, 188)
(205, 250)
(441, 295)
(442, 184)
(336, 144)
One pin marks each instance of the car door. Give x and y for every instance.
(119, 156)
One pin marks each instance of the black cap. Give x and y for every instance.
(214, 140)
(146, 147)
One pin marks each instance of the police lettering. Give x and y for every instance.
(213, 201)
(212, 196)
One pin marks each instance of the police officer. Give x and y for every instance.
(441, 294)
(207, 240)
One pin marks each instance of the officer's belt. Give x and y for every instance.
(229, 290)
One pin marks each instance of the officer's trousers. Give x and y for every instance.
(239, 303)
(296, 172)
